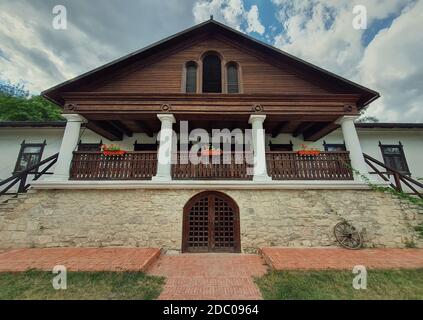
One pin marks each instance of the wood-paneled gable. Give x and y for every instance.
(165, 75)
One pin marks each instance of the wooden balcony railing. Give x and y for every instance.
(134, 165)
(142, 165)
(324, 166)
(228, 166)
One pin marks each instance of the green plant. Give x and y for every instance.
(410, 244)
(399, 194)
(419, 229)
(16, 104)
(111, 147)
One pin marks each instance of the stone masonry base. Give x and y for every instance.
(153, 218)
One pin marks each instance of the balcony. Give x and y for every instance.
(227, 166)
(324, 166)
(142, 165)
(92, 165)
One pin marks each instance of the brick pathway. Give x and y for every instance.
(79, 259)
(334, 258)
(209, 276)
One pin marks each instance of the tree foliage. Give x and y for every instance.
(17, 105)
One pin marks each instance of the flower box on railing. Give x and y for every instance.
(112, 150)
(114, 153)
(308, 152)
(211, 152)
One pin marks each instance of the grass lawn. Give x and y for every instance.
(329, 285)
(80, 285)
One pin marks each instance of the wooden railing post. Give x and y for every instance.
(22, 176)
(399, 178)
(397, 182)
(22, 183)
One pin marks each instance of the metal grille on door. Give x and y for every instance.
(211, 224)
(198, 238)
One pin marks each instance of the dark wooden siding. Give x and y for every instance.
(165, 76)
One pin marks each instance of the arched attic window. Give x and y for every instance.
(232, 77)
(212, 74)
(191, 77)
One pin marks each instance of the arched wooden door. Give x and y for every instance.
(211, 224)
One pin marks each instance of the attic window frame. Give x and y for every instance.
(221, 71)
(238, 76)
(185, 76)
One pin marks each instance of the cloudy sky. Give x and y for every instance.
(387, 56)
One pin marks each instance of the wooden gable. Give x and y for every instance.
(165, 75)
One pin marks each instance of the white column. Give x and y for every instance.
(352, 143)
(164, 155)
(259, 148)
(69, 143)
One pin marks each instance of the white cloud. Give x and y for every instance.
(230, 12)
(254, 24)
(392, 64)
(32, 52)
(320, 31)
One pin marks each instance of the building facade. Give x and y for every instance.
(226, 145)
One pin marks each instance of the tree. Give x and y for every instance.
(367, 119)
(17, 105)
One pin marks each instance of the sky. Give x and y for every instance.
(386, 56)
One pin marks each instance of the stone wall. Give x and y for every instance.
(153, 218)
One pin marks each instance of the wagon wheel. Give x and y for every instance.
(347, 236)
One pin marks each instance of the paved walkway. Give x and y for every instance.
(209, 276)
(79, 259)
(206, 276)
(334, 258)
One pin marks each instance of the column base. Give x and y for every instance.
(161, 178)
(262, 178)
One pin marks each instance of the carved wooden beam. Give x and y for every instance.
(282, 126)
(302, 127)
(146, 128)
(319, 130)
(119, 125)
(105, 129)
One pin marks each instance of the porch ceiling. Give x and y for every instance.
(114, 128)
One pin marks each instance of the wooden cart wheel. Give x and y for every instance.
(347, 236)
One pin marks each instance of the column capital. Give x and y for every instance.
(346, 118)
(257, 118)
(166, 117)
(74, 117)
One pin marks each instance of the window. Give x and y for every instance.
(394, 157)
(191, 77)
(333, 147)
(280, 147)
(232, 77)
(29, 155)
(89, 146)
(212, 74)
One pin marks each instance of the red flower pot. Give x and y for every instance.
(114, 153)
(308, 152)
(211, 152)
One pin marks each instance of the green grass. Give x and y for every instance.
(80, 285)
(337, 285)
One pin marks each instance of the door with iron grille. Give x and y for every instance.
(211, 224)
